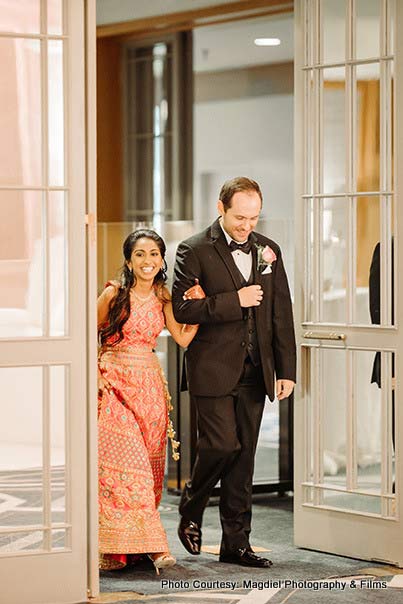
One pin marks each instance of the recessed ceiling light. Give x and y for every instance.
(267, 41)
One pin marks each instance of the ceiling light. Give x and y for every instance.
(267, 41)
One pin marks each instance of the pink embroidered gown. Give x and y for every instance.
(132, 416)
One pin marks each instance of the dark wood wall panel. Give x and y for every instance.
(109, 130)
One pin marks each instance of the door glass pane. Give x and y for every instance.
(308, 495)
(327, 420)
(310, 277)
(58, 252)
(309, 131)
(22, 541)
(368, 134)
(334, 130)
(333, 380)
(352, 502)
(59, 539)
(57, 390)
(55, 16)
(267, 451)
(390, 8)
(369, 419)
(368, 28)
(309, 20)
(56, 113)
(334, 220)
(21, 448)
(388, 385)
(21, 17)
(21, 264)
(308, 361)
(333, 17)
(20, 106)
(368, 261)
(387, 119)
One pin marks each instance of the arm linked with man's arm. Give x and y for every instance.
(284, 347)
(217, 308)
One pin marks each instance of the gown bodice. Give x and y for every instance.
(145, 323)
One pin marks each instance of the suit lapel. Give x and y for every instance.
(220, 244)
(257, 279)
(265, 283)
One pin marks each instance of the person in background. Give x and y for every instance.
(375, 312)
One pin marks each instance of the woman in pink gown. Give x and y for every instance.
(133, 405)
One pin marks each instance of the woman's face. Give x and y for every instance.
(146, 260)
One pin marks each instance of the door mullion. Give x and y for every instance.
(318, 427)
(45, 165)
(46, 472)
(351, 421)
(386, 432)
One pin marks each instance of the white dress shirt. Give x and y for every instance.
(242, 260)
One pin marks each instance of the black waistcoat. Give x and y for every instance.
(252, 345)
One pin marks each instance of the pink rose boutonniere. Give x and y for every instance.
(265, 258)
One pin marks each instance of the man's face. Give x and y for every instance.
(241, 218)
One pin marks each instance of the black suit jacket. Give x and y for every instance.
(216, 356)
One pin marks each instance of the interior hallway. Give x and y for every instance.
(273, 532)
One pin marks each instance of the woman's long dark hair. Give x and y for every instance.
(119, 309)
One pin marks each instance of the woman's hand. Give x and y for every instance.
(101, 383)
(195, 292)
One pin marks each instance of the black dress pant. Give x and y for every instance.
(228, 429)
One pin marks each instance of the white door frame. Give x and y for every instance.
(92, 331)
(63, 576)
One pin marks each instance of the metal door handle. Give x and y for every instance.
(323, 335)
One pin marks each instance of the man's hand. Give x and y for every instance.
(284, 388)
(251, 295)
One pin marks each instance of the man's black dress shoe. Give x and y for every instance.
(190, 534)
(245, 557)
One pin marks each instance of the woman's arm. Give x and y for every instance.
(182, 334)
(104, 302)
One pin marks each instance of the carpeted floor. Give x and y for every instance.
(203, 579)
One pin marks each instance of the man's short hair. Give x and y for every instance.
(236, 185)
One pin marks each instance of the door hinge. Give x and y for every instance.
(90, 221)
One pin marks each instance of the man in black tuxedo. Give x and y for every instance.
(246, 335)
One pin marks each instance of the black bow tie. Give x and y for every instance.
(244, 247)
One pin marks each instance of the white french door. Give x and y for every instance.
(349, 432)
(43, 324)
